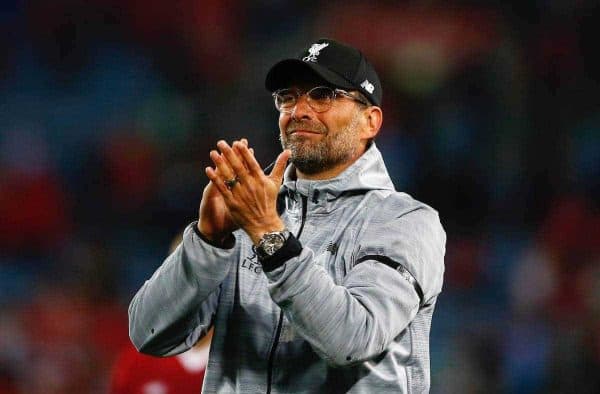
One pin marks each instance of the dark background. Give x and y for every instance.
(108, 109)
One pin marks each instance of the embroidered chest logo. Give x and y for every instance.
(314, 51)
(251, 264)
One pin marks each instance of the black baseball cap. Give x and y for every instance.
(338, 64)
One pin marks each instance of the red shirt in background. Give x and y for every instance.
(136, 373)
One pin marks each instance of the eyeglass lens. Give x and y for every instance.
(319, 98)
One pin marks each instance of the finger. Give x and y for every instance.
(245, 142)
(222, 166)
(247, 155)
(218, 182)
(233, 158)
(237, 146)
(280, 164)
(240, 155)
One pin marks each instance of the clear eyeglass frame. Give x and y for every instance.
(319, 98)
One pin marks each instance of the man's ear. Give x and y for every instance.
(374, 119)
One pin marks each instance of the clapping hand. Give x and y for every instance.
(240, 194)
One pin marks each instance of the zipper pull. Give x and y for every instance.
(315, 198)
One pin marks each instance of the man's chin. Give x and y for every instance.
(300, 144)
(307, 166)
(305, 157)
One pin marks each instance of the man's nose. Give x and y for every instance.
(302, 109)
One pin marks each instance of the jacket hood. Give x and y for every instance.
(366, 173)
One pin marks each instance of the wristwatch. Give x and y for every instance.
(271, 243)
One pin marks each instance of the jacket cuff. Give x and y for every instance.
(291, 248)
(227, 244)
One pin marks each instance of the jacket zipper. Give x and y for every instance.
(280, 323)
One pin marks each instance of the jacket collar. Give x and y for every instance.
(366, 173)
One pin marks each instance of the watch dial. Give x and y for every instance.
(271, 243)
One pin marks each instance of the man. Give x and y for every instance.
(325, 283)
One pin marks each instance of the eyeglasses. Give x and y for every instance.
(319, 98)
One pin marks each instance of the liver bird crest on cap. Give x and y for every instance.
(314, 51)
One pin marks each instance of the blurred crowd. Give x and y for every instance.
(108, 109)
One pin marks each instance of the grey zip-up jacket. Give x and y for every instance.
(351, 313)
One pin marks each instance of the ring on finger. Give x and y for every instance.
(230, 183)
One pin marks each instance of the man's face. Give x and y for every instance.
(321, 141)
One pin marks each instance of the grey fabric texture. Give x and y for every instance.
(345, 327)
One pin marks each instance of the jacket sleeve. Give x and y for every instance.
(358, 319)
(175, 307)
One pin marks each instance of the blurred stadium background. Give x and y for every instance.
(108, 109)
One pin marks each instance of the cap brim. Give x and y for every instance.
(285, 72)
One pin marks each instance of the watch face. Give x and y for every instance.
(270, 243)
(271, 248)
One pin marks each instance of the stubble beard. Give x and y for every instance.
(312, 157)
